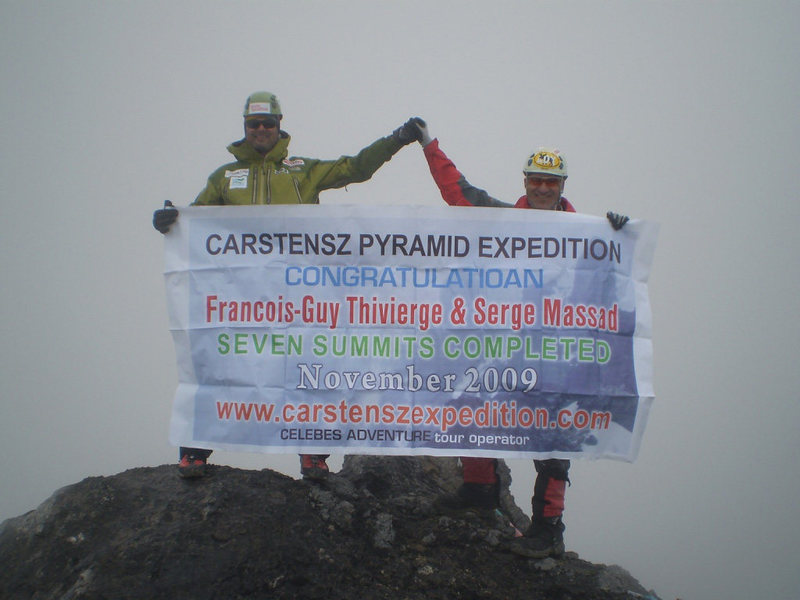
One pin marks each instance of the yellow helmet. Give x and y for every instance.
(547, 161)
(262, 103)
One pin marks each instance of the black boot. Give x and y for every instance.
(545, 537)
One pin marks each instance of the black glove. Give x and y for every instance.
(163, 218)
(617, 221)
(408, 132)
(424, 136)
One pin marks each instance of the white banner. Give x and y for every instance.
(410, 330)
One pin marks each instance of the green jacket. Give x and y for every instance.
(279, 179)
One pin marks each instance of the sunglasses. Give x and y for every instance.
(548, 181)
(265, 123)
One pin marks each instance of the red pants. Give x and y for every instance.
(548, 491)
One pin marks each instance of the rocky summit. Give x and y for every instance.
(382, 528)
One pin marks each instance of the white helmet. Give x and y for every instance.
(546, 161)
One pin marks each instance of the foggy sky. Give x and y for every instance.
(682, 113)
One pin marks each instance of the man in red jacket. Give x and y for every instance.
(545, 173)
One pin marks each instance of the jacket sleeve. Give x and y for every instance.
(455, 189)
(329, 174)
(211, 194)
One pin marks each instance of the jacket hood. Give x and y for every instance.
(244, 152)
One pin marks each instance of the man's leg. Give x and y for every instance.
(480, 487)
(545, 536)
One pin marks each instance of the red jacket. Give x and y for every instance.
(457, 191)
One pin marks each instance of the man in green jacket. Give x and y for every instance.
(264, 173)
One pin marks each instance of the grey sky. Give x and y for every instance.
(684, 113)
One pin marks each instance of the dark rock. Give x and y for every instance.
(373, 531)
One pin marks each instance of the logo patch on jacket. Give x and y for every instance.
(296, 162)
(238, 179)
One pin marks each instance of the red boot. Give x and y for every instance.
(313, 466)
